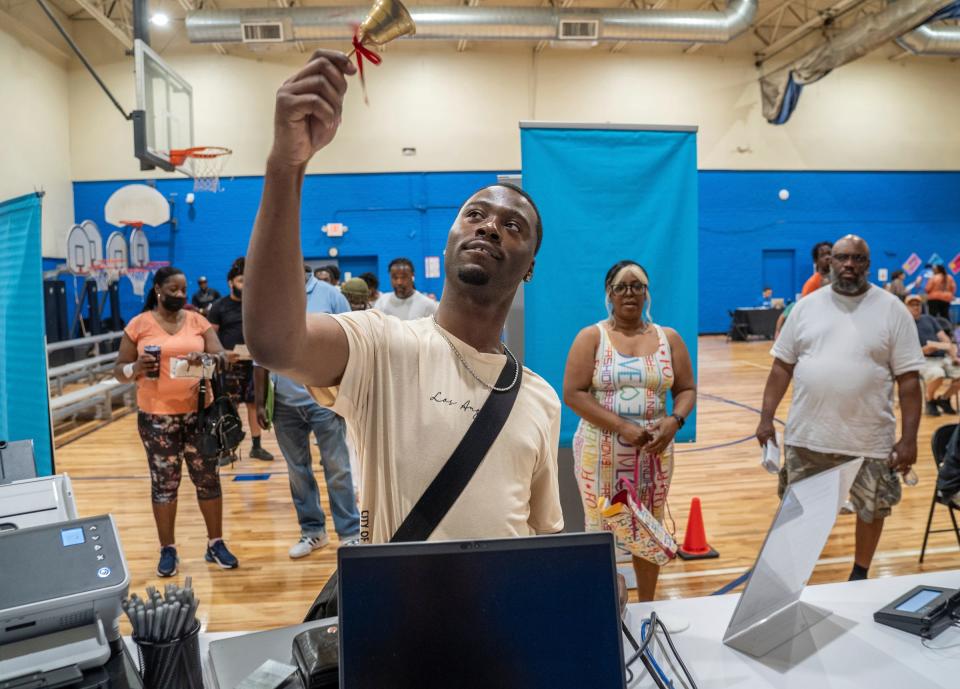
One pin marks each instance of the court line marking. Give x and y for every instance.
(887, 555)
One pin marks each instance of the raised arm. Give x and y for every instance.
(312, 350)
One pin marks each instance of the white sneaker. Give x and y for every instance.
(307, 544)
(847, 507)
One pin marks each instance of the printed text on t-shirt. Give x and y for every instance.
(440, 398)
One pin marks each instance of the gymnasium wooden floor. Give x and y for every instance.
(268, 590)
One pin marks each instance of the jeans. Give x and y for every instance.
(293, 426)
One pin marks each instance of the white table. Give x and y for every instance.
(846, 650)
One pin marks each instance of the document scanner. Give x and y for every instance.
(36, 501)
(60, 601)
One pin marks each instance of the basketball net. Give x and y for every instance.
(138, 279)
(106, 272)
(205, 164)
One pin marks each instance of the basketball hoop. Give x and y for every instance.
(101, 273)
(138, 279)
(205, 164)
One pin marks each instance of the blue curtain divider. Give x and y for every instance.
(24, 401)
(608, 194)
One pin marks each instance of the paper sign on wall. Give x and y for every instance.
(431, 266)
(334, 229)
(911, 264)
(954, 264)
(882, 275)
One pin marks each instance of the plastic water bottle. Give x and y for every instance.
(910, 478)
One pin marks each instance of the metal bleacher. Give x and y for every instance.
(95, 368)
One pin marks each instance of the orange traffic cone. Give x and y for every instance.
(695, 546)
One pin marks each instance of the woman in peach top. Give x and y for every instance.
(941, 290)
(167, 419)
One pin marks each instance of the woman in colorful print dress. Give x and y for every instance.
(618, 373)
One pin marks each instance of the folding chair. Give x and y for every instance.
(941, 437)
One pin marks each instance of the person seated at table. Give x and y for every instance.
(940, 356)
(766, 298)
(821, 268)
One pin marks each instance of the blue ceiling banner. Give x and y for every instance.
(608, 193)
(24, 402)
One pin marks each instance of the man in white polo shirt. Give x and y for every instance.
(843, 347)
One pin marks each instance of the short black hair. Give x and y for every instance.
(617, 267)
(371, 281)
(237, 268)
(897, 273)
(334, 272)
(767, 287)
(403, 262)
(507, 185)
(817, 246)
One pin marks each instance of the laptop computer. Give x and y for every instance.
(770, 613)
(522, 612)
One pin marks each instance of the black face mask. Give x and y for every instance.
(173, 303)
(237, 292)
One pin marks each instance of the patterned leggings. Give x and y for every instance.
(168, 440)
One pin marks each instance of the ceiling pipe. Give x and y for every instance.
(482, 24)
(932, 40)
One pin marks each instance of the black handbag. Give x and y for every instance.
(219, 428)
(447, 485)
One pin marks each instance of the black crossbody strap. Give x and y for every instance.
(447, 485)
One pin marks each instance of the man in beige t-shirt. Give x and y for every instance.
(409, 389)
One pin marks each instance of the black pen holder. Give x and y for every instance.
(171, 664)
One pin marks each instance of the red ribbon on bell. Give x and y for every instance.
(363, 51)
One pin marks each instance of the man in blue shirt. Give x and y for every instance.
(295, 415)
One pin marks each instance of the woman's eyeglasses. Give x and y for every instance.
(633, 288)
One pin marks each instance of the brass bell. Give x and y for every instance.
(387, 20)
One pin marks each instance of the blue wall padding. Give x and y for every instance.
(898, 213)
(388, 215)
(607, 195)
(24, 413)
(740, 216)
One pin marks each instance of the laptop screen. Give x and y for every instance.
(534, 613)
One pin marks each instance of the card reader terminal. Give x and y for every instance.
(925, 611)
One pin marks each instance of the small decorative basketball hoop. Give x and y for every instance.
(138, 279)
(205, 164)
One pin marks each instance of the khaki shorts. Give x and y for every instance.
(875, 490)
(939, 367)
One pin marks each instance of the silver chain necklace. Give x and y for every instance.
(516, 364)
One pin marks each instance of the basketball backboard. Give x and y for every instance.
(117, 249)
(139, 248)
(163, 120)
(84, 246)
(136, 204)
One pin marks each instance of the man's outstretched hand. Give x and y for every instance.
(309, 107)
